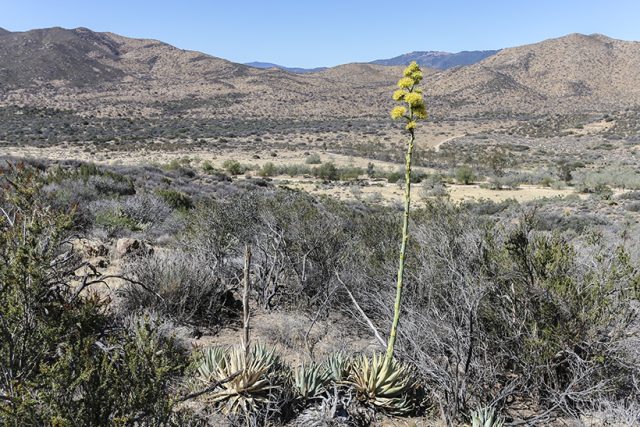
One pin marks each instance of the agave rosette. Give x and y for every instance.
(310, 380)
(486, 417)
(389, 387)
(251, 387)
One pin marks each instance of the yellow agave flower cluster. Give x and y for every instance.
(410, 95)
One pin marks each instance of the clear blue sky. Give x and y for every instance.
(309, 33)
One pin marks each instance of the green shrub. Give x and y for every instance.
(207, 167)
(313, 159)
(294, 170)
(350, 173)
(63, 360)
(393, 177)
(464, 175)
(124, 384)
(268, 169)
(371, 170)
(326, 171)
(234, 167)
(115, 220)
(176, 199)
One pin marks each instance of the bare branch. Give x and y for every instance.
(362, 313)
(211, 388)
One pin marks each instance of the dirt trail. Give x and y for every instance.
(436, 147)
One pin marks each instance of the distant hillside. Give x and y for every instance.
(78, 57)
(571, 73)
(429, 59)
(84, 58)
(289, 69)
(438, 60)
(105, 74)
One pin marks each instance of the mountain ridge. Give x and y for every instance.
(106, 73)
(298, 70)
(431, 59)
(437, 59)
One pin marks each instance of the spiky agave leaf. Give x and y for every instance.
(486, 417)
(251, 387)
(389, 387)
(309, 380)
(337, 366)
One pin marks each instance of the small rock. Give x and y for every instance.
(93, 248)
(132, 247)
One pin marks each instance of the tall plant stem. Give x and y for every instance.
(246, 313)
(403, 251)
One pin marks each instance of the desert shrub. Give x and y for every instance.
(234, 167)
(546, 181)
(433, 186)
(592, 181)
(508, 182)
(631, 195)
(109, 216)
(497, 160)
(268, 169)
(219, 228)
(326, 171)
(63, 360)
(578, 222)
(483, 300)
(182, 286)
(176, 199)
(313, 159)
(105, 181)
(84, 184)
(513, 180)
(146, 209)
(294, 170)
(633, 207)
(464, 175)
(371, 170)
(127, 383)
(296, 241)
(393, 177)
(308, 238)
(108, 186)
(439, 326)
(583, 300)
(485, 207)
(144, 215)
(207, 167)
(350, 173)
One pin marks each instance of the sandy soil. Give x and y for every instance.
(389, 194)
(374, 191)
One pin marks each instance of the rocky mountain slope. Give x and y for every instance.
(570, 73)
(105, 74)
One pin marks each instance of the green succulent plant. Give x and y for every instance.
(258, 377)
(309, 380)
(387, 386)
(486, 417)
(337, 366)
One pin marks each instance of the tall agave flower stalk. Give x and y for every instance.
(411, 110)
